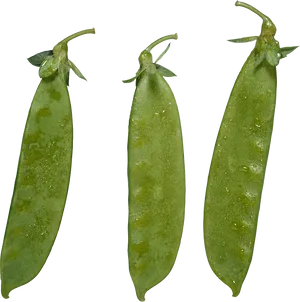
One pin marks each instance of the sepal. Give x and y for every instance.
(78, 71)
(48, 67)
(39, 58)
(164, 71)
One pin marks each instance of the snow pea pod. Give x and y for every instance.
(43, 173)
(156, 177)
(238, 166)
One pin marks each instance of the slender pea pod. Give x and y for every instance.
(156, 177)
(239, 160)
(43, 173)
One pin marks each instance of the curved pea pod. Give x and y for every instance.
(43, 173)
(238, 166)
(156, 177)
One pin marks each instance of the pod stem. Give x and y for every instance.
(73, 36)
(51, 61)
(161, 39)
(255, 10)
(147, 58)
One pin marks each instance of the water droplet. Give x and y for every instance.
(245, 168)
(257, 123)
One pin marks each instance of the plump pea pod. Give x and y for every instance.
(156, 177)
(43, 174)
(239, 160)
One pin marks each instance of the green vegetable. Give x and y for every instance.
(239, 160)
(43, 174)
(156, 177)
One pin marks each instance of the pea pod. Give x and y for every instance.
(43, 174)
(156, 178)
(238, 166)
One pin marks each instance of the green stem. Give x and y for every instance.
(73, 36)
(255, 10)
(161, 39)
(146, 58)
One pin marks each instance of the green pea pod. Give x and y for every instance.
(156, 177)
(43, 174)
(239, 160)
